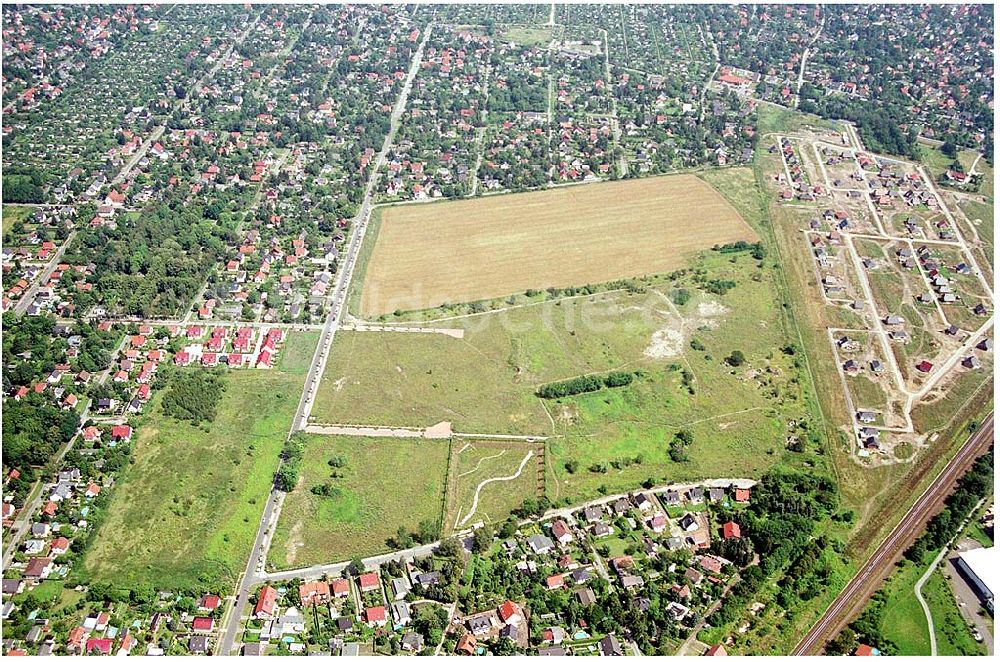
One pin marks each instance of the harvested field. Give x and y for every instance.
(468, 250)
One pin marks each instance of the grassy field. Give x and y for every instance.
(12, 214)
(476, 462)
(295, 357)
(904, 621)
(486, 381)
(935, 160)
(952, 632)
(528, 36)
(185, 513)
(385, 484)
(905, 624)
(430, 254)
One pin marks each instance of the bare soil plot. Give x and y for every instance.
(430, 254)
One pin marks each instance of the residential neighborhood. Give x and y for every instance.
(497, 329)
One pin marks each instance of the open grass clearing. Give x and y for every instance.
(904, 622)
(527, 35)
(430, 254)
(477, 467)
(486, 381)
(383, 485)
(186, 512)
(295, 357)
(13, 214)
(954, 636)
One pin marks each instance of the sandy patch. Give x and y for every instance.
(669, 341)
(711, 308)
(665, 344)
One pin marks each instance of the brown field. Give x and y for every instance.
(468, 250)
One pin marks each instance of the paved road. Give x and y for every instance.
(22, 523)
(317, 571)
(855, 595)
(272, 509)
(29, 296)
(923, 603)
(292, 326)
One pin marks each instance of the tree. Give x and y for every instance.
(736, 359)
(356, 566)
(403, 538)
(482, 538)
(450, 547)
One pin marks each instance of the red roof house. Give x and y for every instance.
(368, 581)
(266, 602)
(375, 616)
(203, 624)
(99, 646)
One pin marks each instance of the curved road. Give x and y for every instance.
(854, 596)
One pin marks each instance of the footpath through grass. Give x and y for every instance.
(904, 622)
(186, 512)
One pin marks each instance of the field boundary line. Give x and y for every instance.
(501, 310)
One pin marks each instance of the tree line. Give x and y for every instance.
(586, 384)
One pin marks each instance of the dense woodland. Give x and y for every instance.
(194, 395)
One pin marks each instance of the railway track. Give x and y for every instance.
(866, 582)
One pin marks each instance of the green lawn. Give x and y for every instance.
(297, 354)
(528, 36)
(186, 512)
(953, 634)
(45, 591)
(385, 484)
(12, 214)
(904, 622)
(477, 463)
(934, 159)
(773, 119)
(980, 214)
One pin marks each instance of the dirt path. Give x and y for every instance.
(480, 463)
(479, 488)
(440, 431)
(454, 333)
